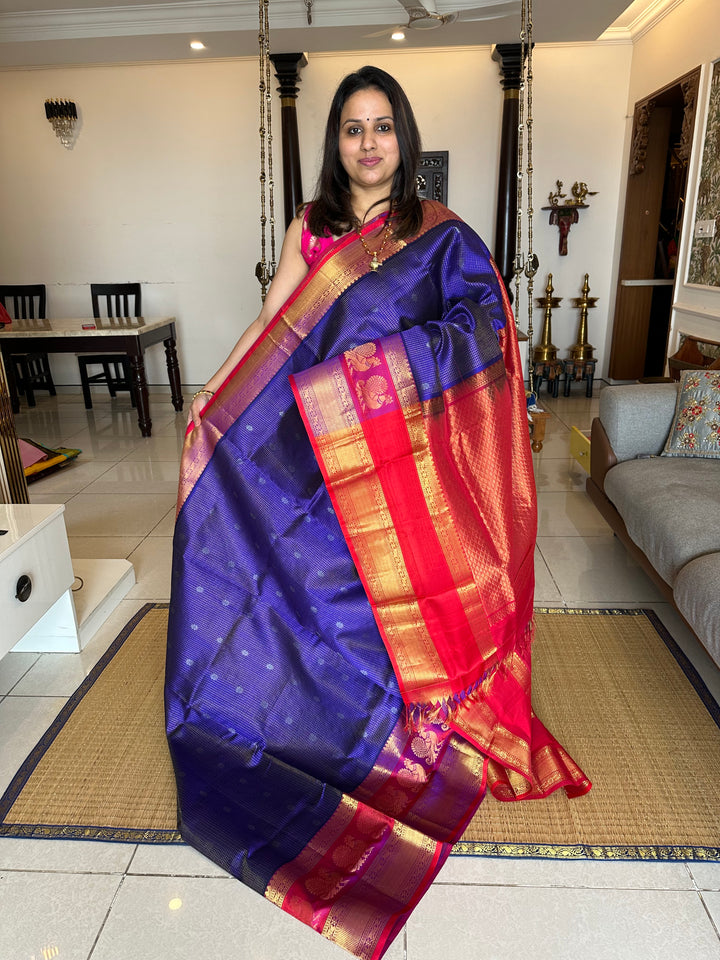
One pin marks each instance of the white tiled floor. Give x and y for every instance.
(73, 900)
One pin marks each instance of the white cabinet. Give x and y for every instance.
(34, 545)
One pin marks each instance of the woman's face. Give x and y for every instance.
(369, 150)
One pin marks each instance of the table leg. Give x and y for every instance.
(538, 429)
(26, 366)
(568, 381)
(173, 373)
(141, 394)
(589, 390)
(11, 383)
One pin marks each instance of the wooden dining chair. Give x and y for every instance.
(26, 301)
(110, 300)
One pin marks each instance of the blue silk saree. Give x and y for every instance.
(348, 664)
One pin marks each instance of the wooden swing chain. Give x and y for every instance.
(525, 265)
(519, 263)
(267, 183)
(531, 263)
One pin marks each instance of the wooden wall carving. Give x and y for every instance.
(638, 154)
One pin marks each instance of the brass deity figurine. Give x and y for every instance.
(564, 212)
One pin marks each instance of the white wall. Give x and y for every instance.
(160, 187)
(688, 37)
(162, 183)
(580, 97)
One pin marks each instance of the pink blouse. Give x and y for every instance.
(312, 247)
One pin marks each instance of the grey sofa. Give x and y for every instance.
(666, 510)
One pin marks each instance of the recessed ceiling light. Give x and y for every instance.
(397, 35)
(197, 45)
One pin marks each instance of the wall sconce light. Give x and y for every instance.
(62, 115)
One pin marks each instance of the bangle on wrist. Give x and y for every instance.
(209, 393)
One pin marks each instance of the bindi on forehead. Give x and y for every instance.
(367, 119)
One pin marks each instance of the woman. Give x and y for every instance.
(350, 625)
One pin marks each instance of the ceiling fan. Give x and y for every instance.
(424, 16)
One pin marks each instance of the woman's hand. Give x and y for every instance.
(197, 405)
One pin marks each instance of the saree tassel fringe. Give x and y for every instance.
(418, 714)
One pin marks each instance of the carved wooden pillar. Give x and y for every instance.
(287, 70)
(509, 56)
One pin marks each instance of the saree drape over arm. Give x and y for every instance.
(350, 626)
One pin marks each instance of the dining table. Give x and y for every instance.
(96, 335)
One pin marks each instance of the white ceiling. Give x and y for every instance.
(55, 32)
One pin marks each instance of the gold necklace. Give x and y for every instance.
(374, 254)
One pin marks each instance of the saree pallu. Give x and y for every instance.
(348, 661)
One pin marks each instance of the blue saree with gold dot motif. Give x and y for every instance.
(348, 666)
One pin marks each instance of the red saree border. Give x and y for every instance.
(457, 625)
(359, 879)
(430, 609)
(430, 778)
(338, 269)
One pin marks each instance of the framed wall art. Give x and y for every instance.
(432, 175)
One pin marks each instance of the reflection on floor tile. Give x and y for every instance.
(555, 445)
(102, 548)
(13, 666)
(23, 720)
(173, 860)
(546, 590)
(53, 914)
(35, 495)
(64, 856)
(563, 514)
(619, 925)
(559, 475)
(213, 917)
(152, 561)
(175, 427)
(116, 516)
(103, 444)
(506, 871)
(712, 905)
(53, 675)
(706, 875)
(166, 527)
(75, 476)
(130, 476)
(595, 569)
(157, 449)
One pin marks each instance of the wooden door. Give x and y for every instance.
(639, 243)
(662, 136)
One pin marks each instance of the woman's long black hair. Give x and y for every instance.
(331, 210)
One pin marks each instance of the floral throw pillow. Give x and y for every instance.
(696, 427)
